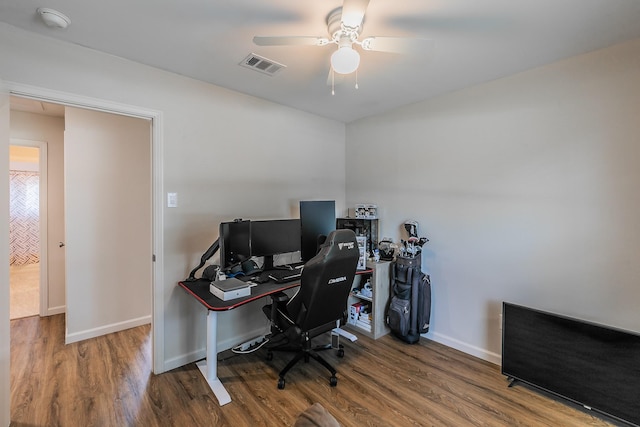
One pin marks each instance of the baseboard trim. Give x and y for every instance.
(56, 310)
(107, 329)
(199, 354)
(184, 359)
(478, 352)
(194, 356)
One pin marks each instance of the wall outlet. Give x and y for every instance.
(172, 200)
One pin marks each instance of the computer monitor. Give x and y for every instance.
(235, 242)
(317, 220)
(269, 238)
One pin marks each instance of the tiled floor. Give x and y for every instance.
(24, 290)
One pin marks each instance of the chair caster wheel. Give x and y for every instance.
(270, 355)
(341, 353)
(281, 383)
(333, 381)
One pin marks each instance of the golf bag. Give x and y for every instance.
(410, 305)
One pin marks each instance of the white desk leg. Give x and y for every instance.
(209, 367)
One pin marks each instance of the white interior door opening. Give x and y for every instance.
(155, 119)
(30, 158)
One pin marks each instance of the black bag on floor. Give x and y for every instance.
(410, 305)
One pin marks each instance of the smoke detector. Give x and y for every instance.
(53, 18)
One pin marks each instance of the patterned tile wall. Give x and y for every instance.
(24, 226)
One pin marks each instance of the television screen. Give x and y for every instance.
(594, 365)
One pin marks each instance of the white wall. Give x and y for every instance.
(37, 127)
(527, 187)
(23, 158)
(4, 255)
(227, 155)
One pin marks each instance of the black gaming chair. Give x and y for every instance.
(320, 301)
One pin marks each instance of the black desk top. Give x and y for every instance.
(200, 290)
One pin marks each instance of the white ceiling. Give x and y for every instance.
(474, 41)
(37, 107)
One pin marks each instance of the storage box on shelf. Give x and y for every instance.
(367, 308)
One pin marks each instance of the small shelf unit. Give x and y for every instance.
(371, 324)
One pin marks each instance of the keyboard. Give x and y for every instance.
(280, 276)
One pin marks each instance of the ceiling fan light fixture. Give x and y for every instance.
(345, 60)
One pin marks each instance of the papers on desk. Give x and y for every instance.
(230, 289)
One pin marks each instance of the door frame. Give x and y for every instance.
(42, 218)
(74, 100)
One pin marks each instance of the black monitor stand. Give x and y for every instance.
(267, 265)
(205, 257)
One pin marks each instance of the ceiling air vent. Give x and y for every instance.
(263, 65)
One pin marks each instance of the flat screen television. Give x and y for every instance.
(593, 365)
(274, 237)
(317, 220)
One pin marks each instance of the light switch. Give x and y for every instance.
(172, 200)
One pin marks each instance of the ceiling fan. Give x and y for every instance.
(345, 27)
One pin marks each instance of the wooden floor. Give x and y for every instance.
(107, 381)
(24, 290)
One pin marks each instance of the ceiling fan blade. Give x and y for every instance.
(290, 41)
(398, 45)
(353, 12)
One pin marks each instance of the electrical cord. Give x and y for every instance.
(238, 349)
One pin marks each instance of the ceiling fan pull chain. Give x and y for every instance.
(356, 79)
(333, 82)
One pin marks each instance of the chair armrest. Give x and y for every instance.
(279, 297)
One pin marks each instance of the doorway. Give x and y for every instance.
(101, 221)
(72, 129)
(27, 236)
(156, 121)
(36, 147)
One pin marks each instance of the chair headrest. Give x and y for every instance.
(343, 239)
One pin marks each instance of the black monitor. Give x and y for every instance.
(317, 220)
(269, 238)
(235, 242)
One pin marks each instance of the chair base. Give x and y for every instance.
(306, 354)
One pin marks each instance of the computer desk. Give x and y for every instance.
(199, 289)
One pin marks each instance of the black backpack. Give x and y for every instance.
(410, 306)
